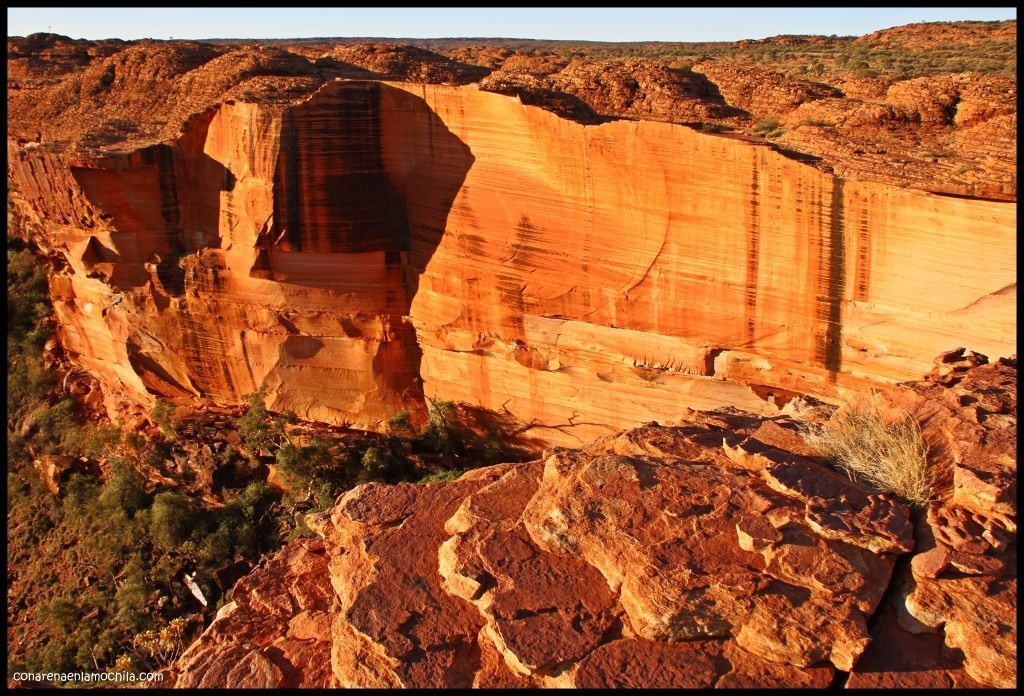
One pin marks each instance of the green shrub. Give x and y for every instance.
(28, 302)
(492, 449)
(297, 466)
(131, 596)
(257, 430)
(376, 463)
(218, 544)
(58, 616)
(124, 489)
(98, 441)
(768, 128)
(813, 122)
(170, 522)
(400, 424)
(251, 426)
(79, 494)
(163, 417)
(292, 467)
(442, 476)
(58, 430)
(29, 385)
(441, 431)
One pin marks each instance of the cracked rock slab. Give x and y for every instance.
(664, 534)
(275, 632)
(684, 556)
(963, 580)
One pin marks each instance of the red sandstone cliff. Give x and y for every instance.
(376, 241)
(220, 219)
(711, 552)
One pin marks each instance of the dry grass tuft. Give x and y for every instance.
(890, 456)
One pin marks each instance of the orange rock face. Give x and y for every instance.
(379, 241)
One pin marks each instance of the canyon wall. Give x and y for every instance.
(381, 241)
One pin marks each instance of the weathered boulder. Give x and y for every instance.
(607, 566)
(275, 633)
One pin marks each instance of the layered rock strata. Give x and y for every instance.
(381, 241)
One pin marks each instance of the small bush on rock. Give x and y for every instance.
(889, 455)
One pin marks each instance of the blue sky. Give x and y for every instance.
(598, 24)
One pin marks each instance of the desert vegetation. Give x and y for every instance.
(769, 127)
(800, 56)
(97, 570)
(887, 454)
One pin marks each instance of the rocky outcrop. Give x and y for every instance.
(587, 91)
(763, 92)
(963, 582)
(949, 127)
(917, 37)
(954, 605)
(652, 557)
(394, 62)
(275, 633)
(376, 242)
(706, 553)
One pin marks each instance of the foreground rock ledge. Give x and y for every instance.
(707, 553)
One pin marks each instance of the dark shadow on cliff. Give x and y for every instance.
(164, 201)
(364, 169)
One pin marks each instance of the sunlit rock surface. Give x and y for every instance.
(378, 241)
(709, 552)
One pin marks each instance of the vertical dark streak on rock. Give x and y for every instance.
(203, 340)
(332, 193)
(831, 269)
(248, 361)
(286, 186)
(169, 272)
(753, 252)
(863, 280)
